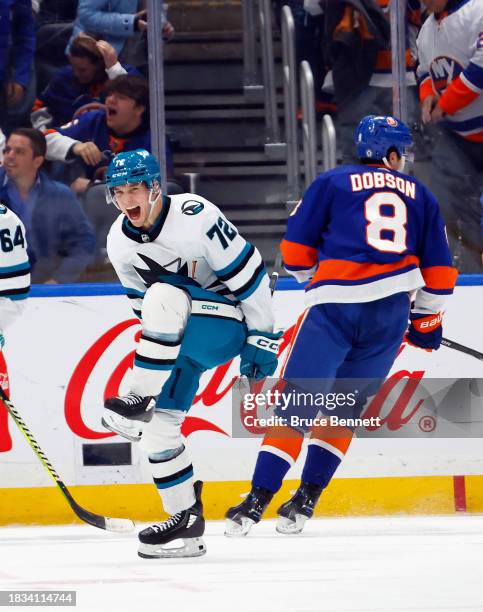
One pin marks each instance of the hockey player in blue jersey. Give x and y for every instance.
(203, 296)
(366, 236)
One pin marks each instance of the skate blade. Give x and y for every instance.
(192, 547)
(131, 430)
(235, 530)
(288, 526)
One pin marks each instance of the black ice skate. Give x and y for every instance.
(294, 513)
(188, 526)
(241, 518)
(126, 414)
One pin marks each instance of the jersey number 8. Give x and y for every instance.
(383, 232)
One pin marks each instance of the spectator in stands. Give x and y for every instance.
(123, 125)
(91, 64)
(116, 21)
(357, 40)
(60, 238)
(17, 47)
(450, 49)
(309, 30)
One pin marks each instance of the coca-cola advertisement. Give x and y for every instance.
(68, 353)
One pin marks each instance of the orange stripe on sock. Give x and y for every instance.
(285, 439)
(339, 437)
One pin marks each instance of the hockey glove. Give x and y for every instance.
(425, 331)
(2, 340)
(259, 355)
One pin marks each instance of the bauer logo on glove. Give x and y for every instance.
(425, 331)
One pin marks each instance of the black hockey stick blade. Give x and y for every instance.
(118, 525)
(463, 349)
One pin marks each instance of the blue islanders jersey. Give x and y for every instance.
(364, 232)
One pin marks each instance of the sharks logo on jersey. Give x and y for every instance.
(192, 207)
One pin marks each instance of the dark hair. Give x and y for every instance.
(84, 45)
(131, 86)
(36, 137)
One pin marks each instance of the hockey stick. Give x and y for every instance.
(461, 348)
(119, 525)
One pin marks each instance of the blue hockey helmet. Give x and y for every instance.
(138, 166)
(375, 135)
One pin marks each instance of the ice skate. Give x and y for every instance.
(127, 414)
(187, 526)
(294, 513)
(241, 518)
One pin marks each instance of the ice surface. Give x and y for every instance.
(347, 564)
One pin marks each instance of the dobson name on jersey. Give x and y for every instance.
(397, 242)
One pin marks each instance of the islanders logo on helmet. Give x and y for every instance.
(138, 166)
(375, 135)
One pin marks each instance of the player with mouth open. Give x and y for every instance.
(202, 294)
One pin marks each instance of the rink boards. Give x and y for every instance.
(74, 345)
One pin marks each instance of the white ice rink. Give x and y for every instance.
(370, 565)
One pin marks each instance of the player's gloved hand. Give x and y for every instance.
(425, 331)
(2, 340)
(259, 355)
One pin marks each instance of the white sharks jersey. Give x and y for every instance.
(450, 52)
(194, 247)
(14, 266)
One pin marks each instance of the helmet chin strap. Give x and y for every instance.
(154, 194)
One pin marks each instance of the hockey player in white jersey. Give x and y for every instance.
(203, 295)
(14, 268)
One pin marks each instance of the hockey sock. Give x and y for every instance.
(280, 449)
(155, 357)
(173, 476)
(324, 456)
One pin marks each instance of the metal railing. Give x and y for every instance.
(156, 85)
(252, 86)
(309, 137)
(290, 103)
(329, 143)
(272, 124)
(398, 55)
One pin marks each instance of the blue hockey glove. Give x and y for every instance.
(2, 340)
(426, 331)
(259, 355)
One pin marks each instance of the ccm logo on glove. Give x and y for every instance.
(264, 343)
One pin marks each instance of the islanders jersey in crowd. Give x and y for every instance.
(450, 50)
(194, 247)
(92, 126)
(364, 232)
